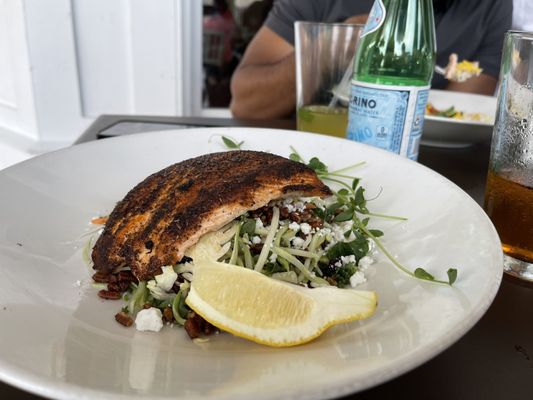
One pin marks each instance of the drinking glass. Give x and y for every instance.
(324, 65)
(509, 192)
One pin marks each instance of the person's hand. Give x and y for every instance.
(357, 19)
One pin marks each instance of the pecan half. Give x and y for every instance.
(101, 277)
(192, 327)
(109, 295)
(168, 315)
(124, 319)
(195, 326)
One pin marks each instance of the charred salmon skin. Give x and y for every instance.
(168, 212)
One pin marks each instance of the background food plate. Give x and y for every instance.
(59, 340)
(450, 132)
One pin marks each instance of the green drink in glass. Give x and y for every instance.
(393, 67)
(324, 54)
(323, 119)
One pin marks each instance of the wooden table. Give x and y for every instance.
(492, 361)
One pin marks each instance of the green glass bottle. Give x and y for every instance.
(393, 67)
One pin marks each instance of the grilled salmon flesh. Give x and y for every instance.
(168, 212)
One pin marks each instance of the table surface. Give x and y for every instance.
(492, 361)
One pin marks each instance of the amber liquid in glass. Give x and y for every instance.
(510, 207)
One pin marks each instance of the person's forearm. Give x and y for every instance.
(264, 91)
(483, 84)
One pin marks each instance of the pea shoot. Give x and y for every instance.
(351, 204)
(232, 144)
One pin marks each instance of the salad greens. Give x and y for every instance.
(351, 205)
(353, 202)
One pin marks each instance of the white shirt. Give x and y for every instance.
(523, 15)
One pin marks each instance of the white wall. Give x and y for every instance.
(126, 53)
(16, 93)
(64, 62)
(51, 47)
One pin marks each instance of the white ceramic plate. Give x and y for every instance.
(59, 340)
(450, 132)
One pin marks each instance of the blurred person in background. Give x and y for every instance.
(253, 17)
(263, 85)
(219, 31)
(222, 21)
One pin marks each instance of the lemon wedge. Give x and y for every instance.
(251, 305)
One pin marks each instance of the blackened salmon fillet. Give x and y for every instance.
(168, 212)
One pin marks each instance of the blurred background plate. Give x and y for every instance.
(452, 132)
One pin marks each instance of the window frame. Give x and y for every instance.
(189, 73)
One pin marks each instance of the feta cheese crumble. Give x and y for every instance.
(365, 262)
(297, 242)
(357, 279)
(292, 205)
(305, 228)
(166, 279)
(348, 259)
(149, 319)
(162, 283)
(294, 226)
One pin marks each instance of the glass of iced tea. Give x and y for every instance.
(509, 192)
(324, 63)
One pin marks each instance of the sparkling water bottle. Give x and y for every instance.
(392, 72)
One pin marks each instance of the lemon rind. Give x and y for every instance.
(325, 314)
(195, 302)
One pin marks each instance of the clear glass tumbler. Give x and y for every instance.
(324, 64)
(509, 191)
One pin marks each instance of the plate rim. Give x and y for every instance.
(63, 390)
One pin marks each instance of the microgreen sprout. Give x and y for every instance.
(231, 143)
(351, 204)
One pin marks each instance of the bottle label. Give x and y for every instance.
(375, 18)
(388, 117)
